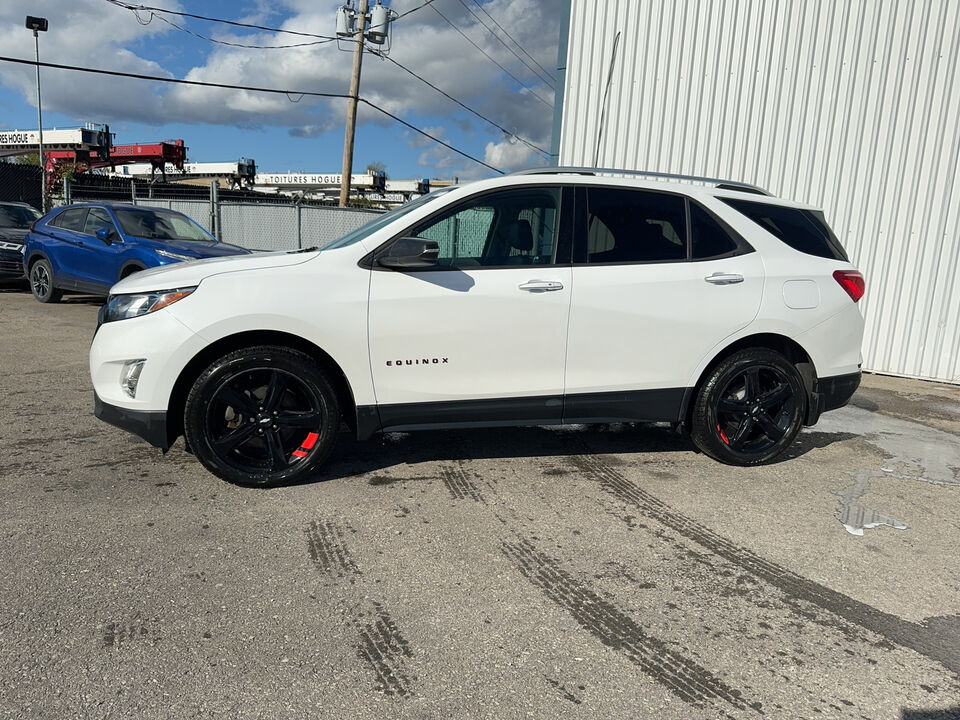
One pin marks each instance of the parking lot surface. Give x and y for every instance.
(581, 572)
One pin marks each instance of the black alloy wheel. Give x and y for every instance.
(750, 408)
(41, 282)
(262, 416)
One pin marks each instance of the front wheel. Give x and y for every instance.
(41, 282)
(262, 416)
(750, 408)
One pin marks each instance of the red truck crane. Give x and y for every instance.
(157, 154)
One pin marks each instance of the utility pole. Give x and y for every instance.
(352, 103)
(38, 25)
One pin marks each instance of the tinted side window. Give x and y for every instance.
(97, 218)
(514, 227)
(626, 225)
(72, 219)
(800, 229)
(708, 238)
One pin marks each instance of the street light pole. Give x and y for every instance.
(352, 103)
(38, 25)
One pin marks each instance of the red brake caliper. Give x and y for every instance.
(722, 436)
(307, 445)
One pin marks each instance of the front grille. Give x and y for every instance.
(11, 262)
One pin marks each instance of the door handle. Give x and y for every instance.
(539, 286)
(719, 278)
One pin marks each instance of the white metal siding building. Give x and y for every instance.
(850, 105)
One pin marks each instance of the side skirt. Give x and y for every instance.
(659, 405)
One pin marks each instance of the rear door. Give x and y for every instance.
(481, 337)
(658, 282)
(65, 247)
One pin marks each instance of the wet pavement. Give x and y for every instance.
(582, 572)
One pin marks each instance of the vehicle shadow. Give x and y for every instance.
(353, 457)
(83, 300)
(14, 286)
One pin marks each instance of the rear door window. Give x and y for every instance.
(72, 219)
(632, 226)
(708, 238)
(801, 229)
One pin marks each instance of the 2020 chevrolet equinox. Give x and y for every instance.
(544, 297)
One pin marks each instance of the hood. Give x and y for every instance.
(194, 248)
(17, 235)
(189, 274)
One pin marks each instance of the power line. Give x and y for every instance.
(548, 80)
(228, 43)
(426, 134)
(503, 29)
(465, 107)
(523, 84)
(154, 14)
(404, 14)
(148, 8)
(226, 86)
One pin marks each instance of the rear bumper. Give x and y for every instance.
(831, 393)
(151, 426)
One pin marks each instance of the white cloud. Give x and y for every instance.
(94, 33)
(511, 154)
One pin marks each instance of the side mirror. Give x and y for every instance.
(410, 252)
(105, 234)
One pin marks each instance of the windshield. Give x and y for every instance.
(371, 227)
(160, 225)
(17, 216)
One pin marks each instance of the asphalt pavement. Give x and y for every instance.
(577, 572)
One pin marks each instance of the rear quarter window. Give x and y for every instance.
(803, 230)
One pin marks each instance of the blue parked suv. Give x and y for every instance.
(89, 247)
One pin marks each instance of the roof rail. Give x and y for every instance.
(719, 182)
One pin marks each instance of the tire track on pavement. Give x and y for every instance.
(926, 639)
(610, 625)
(460, 485)
(380, 645)
(326, 543)
(599, 617)
(385, 650)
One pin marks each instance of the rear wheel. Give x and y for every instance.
(41, 282)
(262, 416)
(750, 408)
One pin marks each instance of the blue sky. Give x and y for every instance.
(221, 125)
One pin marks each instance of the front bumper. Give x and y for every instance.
(150, 425)
(11, 262)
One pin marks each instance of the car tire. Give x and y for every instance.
(41, 282)
(749, 409)
(262, 416)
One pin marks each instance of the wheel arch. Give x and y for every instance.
(250, 338)
(32, 259)
(129, 268)
(788, 347)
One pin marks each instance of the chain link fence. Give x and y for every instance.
(20, 183)
(242, 217)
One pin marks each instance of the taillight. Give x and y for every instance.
(30, 229)
(852, 282)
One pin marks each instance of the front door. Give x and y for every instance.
(481, 337)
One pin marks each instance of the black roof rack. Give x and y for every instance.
(719, 182)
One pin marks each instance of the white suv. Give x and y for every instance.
(554, 296)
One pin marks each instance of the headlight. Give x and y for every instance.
(174, 256)
(121, 307)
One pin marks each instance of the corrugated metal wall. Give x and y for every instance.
(851, 105)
